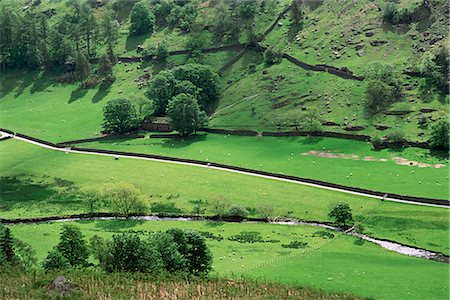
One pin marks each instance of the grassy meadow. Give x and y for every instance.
(340, 263)
(354, 163)
(37, 182)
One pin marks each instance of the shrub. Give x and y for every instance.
(389, 12)
(162, 52)
(376, 141)
(272, 56)
(323, 234)
(439, 135)
(237, 211)
(342, 214)
(265, 211)
(55, 261)
(247, 237)
(251, 68)
(396, 136)
(128, 253)
(295, 245)
(211, 236)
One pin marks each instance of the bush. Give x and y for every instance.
(237, 211)
(439, 135)
(272, 56)
(128, 253)
(251, 68)
(396, 136)
(376, 141)
(162, 52)
(323, 234)
(389, 13)
(265, 211)
(55, 261)
(247, 237)
(295, 245)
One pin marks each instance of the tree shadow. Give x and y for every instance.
(181, 142)
(102, 92)
(41, 82)
(440, 154)
(77, 94)
(24, 81)
(293, 30)
(133, 41)
(311, 140)
(117, 225)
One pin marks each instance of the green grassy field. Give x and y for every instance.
(336, 264)
(286, 155)
(31, 190)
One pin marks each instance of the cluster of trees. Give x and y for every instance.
(14, 252)
(172, 251)
(183, 94)
(383, 88)
(125, 198)
(28, 41)
(223, 208)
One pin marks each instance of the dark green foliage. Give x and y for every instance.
(105, 69)
(98, 247)
(110, 32)
(434, 66)
(342, 214)
(211, 236)
(184, 112)
(194, 250)
(295, 245)
(296, 13)
(141, 19)
(128, 253)
(183, 16)
(82, 66)
(323, 234)
(237, 211)
(73, 246)
(55, 261)
(161, 89)
(376, 142)
(383, 88)
(389, 12)
(119, 116)
(225, 25)
(173, 260)
(194, 79)
(272, 56)
(7, 255)
(126, 198)
(440, 135)
(203, 78)
(396, 136)
(162, 52)
(247, 237)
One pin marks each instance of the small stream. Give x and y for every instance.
(389, 245)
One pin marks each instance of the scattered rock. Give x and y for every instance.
(369, 33)
(329, 123)
(381, 127)
(427, 110)
(354, 128)
(140, 48)
(60, 287)
(359, 47)
(378, 43)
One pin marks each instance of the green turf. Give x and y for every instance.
(286, 155)
(340, 263)
(35, 168)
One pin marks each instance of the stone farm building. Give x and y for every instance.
(160, 124)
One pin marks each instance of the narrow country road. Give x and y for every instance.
(202, 164)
